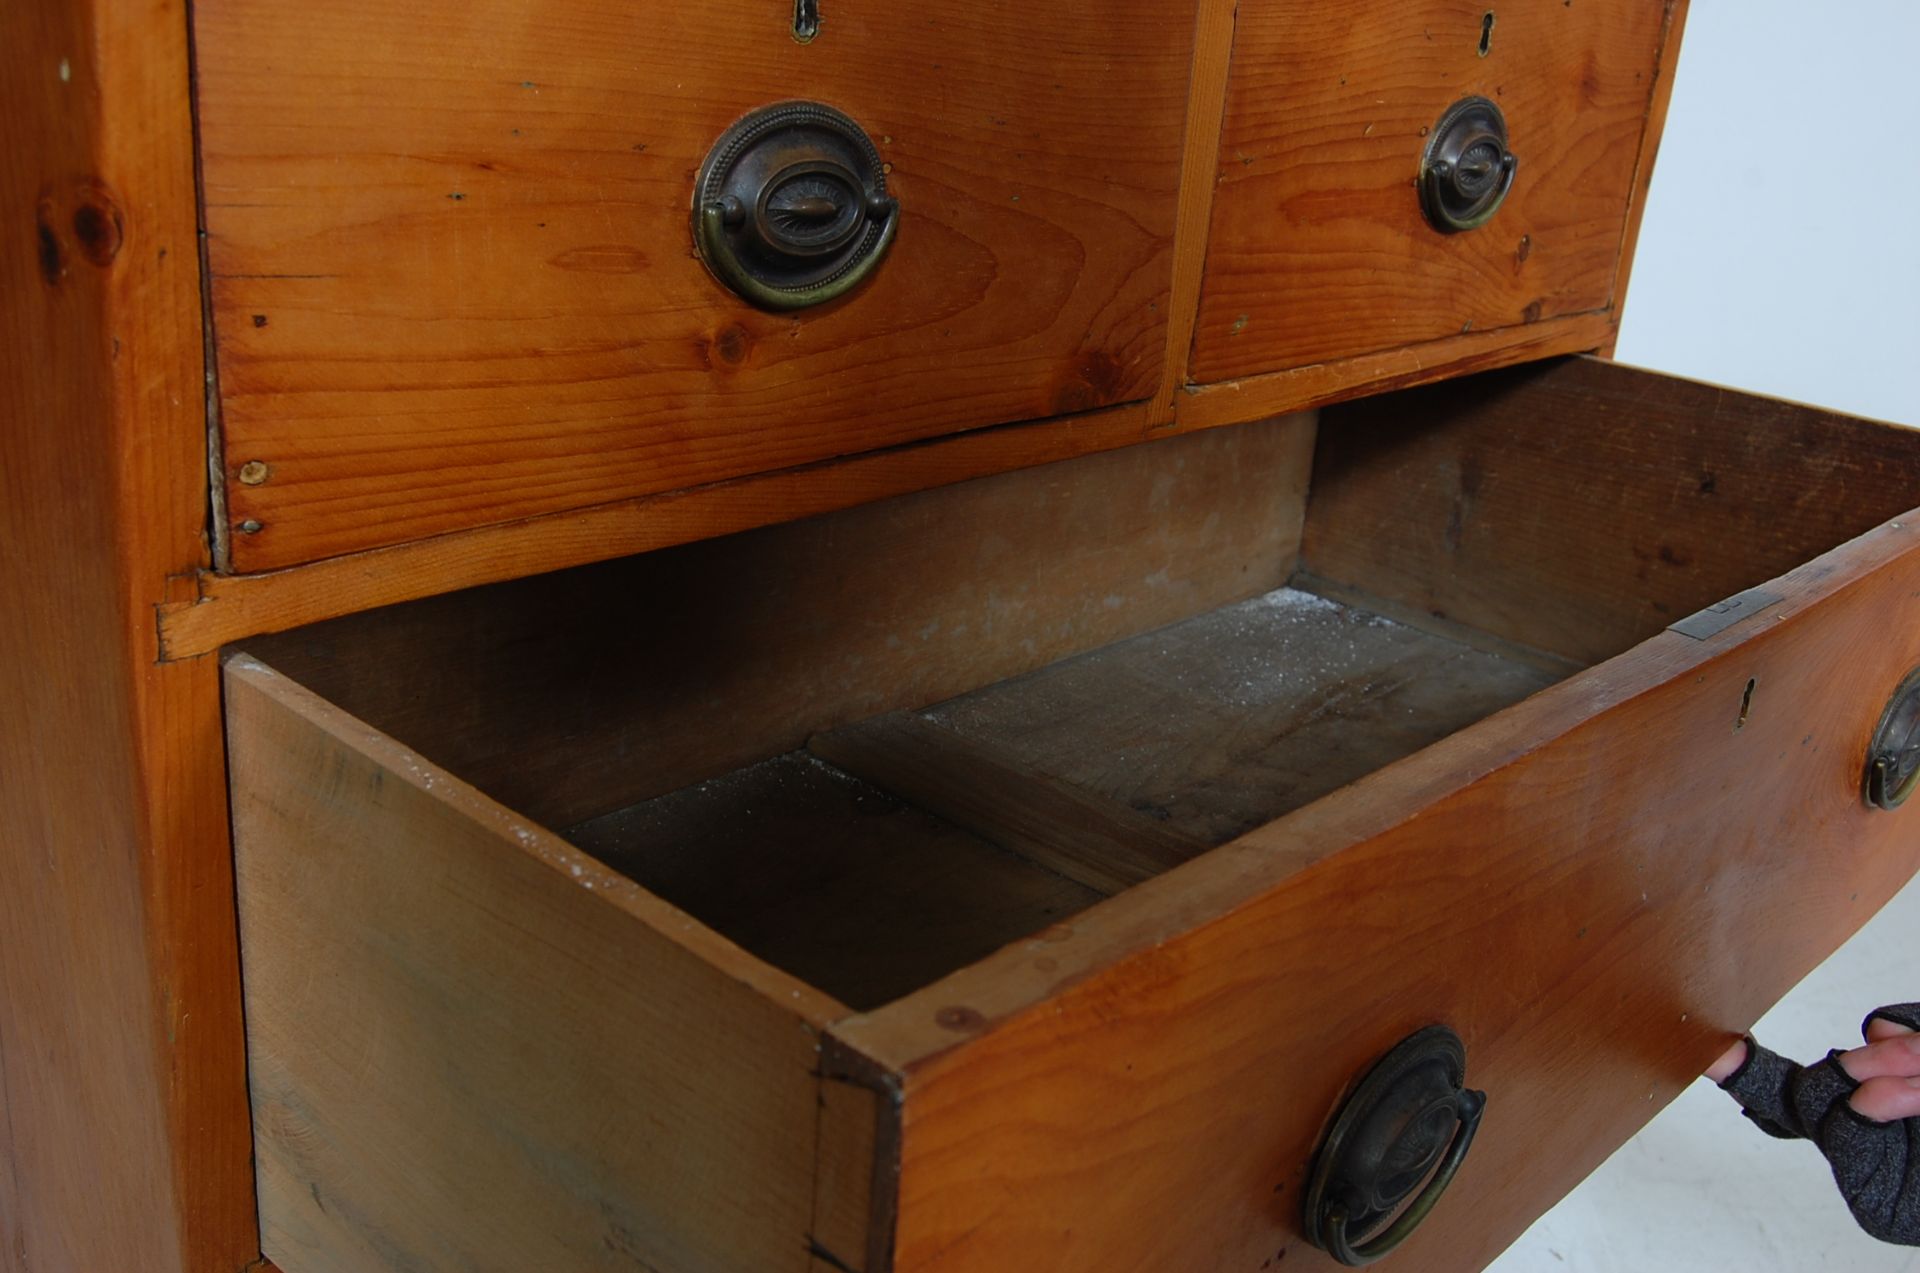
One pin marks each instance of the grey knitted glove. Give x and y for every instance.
(1876, 1165)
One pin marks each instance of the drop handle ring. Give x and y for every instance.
(791, 207)
(1468, 168)
(1893, 755)
(711, 235)
(1409, 1119)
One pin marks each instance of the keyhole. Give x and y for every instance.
(1486, 33)
(806, 20)
(1746, 705)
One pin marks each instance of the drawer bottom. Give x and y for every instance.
(894, 851)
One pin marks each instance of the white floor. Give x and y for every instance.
(1702, 1191)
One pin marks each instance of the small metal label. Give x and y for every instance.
(1722, 615)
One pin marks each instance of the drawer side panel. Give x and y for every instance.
(472, 1047)
(1580, 506)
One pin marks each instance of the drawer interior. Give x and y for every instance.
(874, 747)
(894, 850)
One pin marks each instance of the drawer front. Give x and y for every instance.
(1593, 888)
(453, 281)
(1320, 249)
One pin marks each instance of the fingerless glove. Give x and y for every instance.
(1876, 1165)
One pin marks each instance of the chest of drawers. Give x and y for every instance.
(519, 756)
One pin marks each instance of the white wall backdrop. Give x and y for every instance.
(1781, 246)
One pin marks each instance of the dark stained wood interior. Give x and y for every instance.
(1580, 506)
(1081, 834)
(845, 886)
(1236, 717)
(934, 838)
(573, 694)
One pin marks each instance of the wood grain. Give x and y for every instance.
(221, 609)
(1206, 107)
(571, 695)
(1097, 842)
(124, 1136)
(1319, 250)
(451, 271)
(1323, 384)
(1222, 723)
(1596, 888)
(844, 1162)
(1582, 506)
(473, 1046)
(848, 888)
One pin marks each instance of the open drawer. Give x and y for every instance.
(1016, 876)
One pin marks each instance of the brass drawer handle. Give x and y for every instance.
(1893, 758)
(1468, 169)
(1409, 1116)
(791, 208)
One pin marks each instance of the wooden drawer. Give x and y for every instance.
(452, 281)
(1320, 250)
(1014, 876)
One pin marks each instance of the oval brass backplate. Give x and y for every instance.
(1467, 169)
(791, 207)
(1411, 1119)
(1893, 756)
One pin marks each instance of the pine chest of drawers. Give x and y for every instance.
(888, 638)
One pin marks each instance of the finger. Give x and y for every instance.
(1885, 1021)
(1773, 1091)
(1729, 1061)
(1880, 1028)
(1887, 1099)
(1898, 1057)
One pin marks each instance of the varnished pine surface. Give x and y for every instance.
(452, 277)
(1206, 107)
(214, 609)
(218, 609)
(1319, 250)
(1452, 357)
(124, 1140)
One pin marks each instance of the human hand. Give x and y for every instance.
(1887, 1069)
(1861, 1108)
